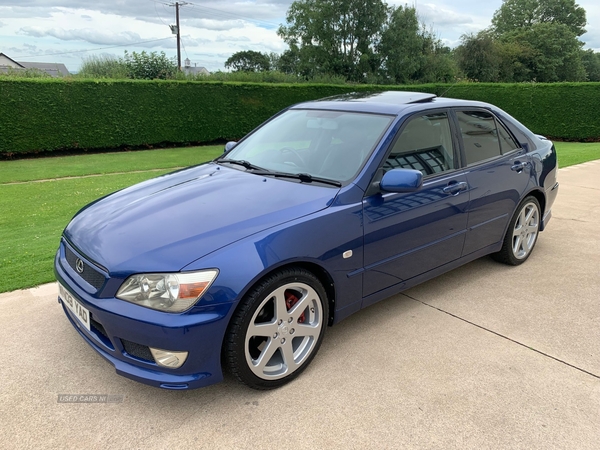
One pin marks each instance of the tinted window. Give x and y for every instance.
(507, 143)
(425, 144)
(479, 134)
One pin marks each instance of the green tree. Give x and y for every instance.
(550, 51)
(439, 64)
(517, 14)
(538, 40)
(591, 63)
(149, 66)
(401, 47)
(479, 56)
(248, 61)
(336, 37)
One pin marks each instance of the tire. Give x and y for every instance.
(277, 329)
(522, 233)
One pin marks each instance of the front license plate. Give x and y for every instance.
(82, 314)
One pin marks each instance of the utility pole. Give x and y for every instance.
(178, 30)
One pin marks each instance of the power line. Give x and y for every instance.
(93, 49)
(162, 3)
(158, 15)
(227, 14)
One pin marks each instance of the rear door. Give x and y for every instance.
(498, 173)
(407, 234)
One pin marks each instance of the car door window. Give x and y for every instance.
(424, 144)
(507, 142)
(479, 135)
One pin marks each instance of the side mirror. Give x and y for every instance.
(229, 146)
(401, 180)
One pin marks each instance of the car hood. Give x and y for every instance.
(164, 224)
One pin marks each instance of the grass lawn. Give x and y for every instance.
(103, 163)
(33, 213)
(571, 153)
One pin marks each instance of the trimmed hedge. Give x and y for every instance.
(57, 114)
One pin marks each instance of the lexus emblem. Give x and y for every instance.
(79, 265)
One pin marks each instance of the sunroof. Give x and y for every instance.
(388, 97)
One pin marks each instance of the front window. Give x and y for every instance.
(425, 144)
(331, 145)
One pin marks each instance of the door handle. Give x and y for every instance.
(518, 166)
(455, 188)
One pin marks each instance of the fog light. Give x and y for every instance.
(172, 360)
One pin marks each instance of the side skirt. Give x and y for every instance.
(397, 288)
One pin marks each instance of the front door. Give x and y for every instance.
(407, 234)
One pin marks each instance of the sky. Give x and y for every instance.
(68, 31)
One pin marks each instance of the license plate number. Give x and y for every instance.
(81, 313)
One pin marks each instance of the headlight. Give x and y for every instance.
(170, 292)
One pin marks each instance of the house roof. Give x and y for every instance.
(10, 59)
(52, 69)
(195, 70)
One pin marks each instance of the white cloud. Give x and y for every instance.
(440, 16)
(211, 30)
(215, 25)
(85, 34)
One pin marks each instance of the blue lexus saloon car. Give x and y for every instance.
(241, 263)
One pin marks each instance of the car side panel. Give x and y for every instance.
(412, 233)
(496, 190)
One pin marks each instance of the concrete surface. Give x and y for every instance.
(486, 356)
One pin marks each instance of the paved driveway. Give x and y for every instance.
(486, 356)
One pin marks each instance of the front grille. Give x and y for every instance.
(89, 274)
(137, 350)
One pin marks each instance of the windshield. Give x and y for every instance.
(331, 145)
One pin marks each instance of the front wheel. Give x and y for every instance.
(522, 233)
(277, 330)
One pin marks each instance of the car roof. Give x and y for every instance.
(387, 102)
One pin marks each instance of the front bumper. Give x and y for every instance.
(122, 332)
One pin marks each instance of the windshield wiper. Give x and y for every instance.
(304, 177)
(242, 162)
(257, 170)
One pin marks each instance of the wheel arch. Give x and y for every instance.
(541, 198)
(317, 270)
(325, 279)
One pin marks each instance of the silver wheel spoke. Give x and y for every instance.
(266, 355)
(288, 356)
(517, 245)
(278, 345)
(529, 215)
(532, 229)
(303, 303)
(280, 307)
(306, 330)
(525, 230)
(263, 329)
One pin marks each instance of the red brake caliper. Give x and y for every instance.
(290, 301)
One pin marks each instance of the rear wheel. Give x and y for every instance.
(522, 233)
(277, 330)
